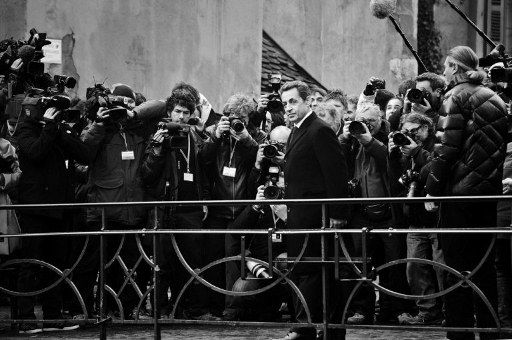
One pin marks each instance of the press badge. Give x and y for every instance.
(188, 177)
(127, 155)
(229, 172)
(277, 238)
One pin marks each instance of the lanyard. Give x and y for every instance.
(124, 139)
(187, 157)
(232, 153)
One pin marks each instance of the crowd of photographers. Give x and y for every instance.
(440, 135)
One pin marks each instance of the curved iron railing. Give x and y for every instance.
(363, 275)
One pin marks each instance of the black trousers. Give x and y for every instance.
(463, 252)
(51, 250)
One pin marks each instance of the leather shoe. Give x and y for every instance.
(296, 336)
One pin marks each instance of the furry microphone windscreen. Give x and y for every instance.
(382, 8)
(26, 53)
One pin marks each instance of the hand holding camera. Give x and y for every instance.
(223, 127)
(158, 140)
(359, 130)
(50, 114)
(419, 100)
(373, 85)
(262, 103)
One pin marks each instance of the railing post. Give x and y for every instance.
(364, 232)
(324, 283)
(243, 273)
(270, 253)
(156, 278)
(103, 326)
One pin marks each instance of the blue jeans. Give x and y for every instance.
(425, 279)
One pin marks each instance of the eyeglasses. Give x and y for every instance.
(411, 131)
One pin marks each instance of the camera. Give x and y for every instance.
(417, 96)
(272, 191)
(501, 75)
(356, 127)
(353, 186)
(275, 104)
(64, 81)
(58, 101)
(400, 139)
(272, 149)
(410, 180)
(236, 124)
(374, 85)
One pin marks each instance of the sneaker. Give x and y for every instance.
(422, 319)
(29, 328)
(357, 319)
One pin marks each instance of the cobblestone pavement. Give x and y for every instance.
(214, 333)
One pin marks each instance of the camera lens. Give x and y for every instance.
(237, 125)
(270, 151)
(272, 192)
(415, 96)
(400, 139)
(356, 128)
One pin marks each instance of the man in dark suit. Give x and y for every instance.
(314, 168)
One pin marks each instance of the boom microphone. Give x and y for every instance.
(382, 8)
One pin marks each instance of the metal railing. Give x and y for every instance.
(359, 266)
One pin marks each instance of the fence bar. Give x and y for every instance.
(270, 254)
(324, 276)
(156, 279)
(103, 326)
(243, 273)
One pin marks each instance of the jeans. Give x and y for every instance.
(425, 279)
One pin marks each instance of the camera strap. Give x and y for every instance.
(187, 176)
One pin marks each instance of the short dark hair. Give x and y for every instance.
(183, 98)
(189, 88)
(405, 86)
(302, 88)
(339, 95)
(436, 81)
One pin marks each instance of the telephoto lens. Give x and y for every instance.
(273, 192)
(270, 151)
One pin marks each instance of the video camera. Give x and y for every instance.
(116, 106)
(498, 73)
(275, 104)
(174, 130)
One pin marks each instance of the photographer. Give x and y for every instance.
(44, 145)
(229, 155)
(365, 144)
(171, 172)
(269, 174)
(114, 176)
(409, 153)
(427, 97)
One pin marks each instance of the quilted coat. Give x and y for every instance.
(472, 131)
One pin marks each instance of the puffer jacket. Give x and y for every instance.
(472, 130)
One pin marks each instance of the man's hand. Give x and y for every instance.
(391, 144)
(279, 158)
(430, 206)
(407, 149)
(507, 185)
(158, 139)
(259, 197)
(205, 211)
(337, 223)
(222, 126)
(51, 113)
(240, 136)
(418, 108)
(259, 156)
(101, 115)
(365, 137)
(262, 103)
